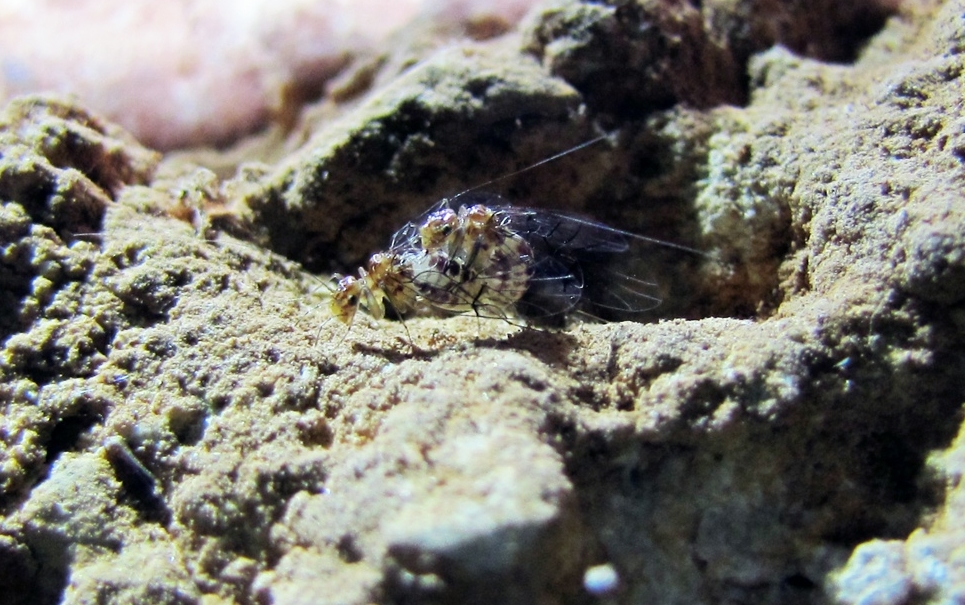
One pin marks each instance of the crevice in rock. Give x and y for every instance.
(66, 434)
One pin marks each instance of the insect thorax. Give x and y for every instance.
(472, 263)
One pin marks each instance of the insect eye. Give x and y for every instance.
(353, 300)
(452, 268)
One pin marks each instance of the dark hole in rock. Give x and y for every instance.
(348, 550)
(67, 433)
(800, 582)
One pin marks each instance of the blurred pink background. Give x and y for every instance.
(195, 72)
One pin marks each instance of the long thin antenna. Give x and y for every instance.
(553, 158)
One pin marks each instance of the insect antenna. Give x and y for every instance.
(542, 162)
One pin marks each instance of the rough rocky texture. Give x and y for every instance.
(183, 422)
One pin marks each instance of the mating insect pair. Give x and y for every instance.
(497, 260)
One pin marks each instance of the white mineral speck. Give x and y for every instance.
(600, 579)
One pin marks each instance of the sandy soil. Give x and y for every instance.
(183, 422)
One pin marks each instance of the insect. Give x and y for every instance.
(498, 260)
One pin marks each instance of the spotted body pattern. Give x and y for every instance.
(386, 277)
(497, 260)
(475, 262)
(453, 262)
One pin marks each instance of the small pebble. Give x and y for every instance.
(601, 580)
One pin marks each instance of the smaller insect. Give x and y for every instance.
(499, 260)
(387, 276)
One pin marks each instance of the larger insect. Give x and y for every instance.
(497, 260)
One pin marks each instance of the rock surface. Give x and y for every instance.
(183, 422)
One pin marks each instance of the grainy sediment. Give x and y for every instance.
(786, 429)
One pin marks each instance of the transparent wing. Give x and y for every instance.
(407, 238)
(611, 263)
(555, 287)
(564, 235)
(572, 233)
(613, 290)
